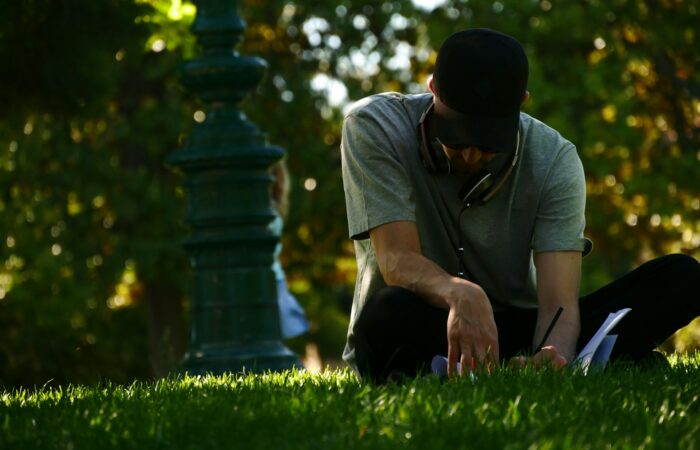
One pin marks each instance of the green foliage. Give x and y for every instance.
(90, 214)
(618, 408)
(93, 281)
(61, 54)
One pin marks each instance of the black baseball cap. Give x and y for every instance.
(480, 80)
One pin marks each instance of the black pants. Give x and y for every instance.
(398, 331)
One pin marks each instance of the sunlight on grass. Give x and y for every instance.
(621, 407)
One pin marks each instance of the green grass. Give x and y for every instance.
(619, 408)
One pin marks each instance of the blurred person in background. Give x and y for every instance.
(292, 318)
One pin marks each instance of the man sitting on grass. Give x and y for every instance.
(468, 216)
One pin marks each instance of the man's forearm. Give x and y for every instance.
(558, 280)
(420, 275)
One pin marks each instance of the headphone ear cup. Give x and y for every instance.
(434, 158)
(425, 156)
(438, 157)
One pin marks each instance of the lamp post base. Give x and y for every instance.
(257, 358)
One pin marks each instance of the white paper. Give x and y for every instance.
(602, 354)
(595, 352)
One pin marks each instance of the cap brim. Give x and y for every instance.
(457, 130)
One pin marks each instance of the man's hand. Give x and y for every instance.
(472, 336)
(549, 356)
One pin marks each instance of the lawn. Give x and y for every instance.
(621, 407)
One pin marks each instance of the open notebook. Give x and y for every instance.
(595, 353)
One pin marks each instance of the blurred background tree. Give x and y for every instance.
(93, 281)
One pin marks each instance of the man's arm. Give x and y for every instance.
(471, 329)
(558, 281)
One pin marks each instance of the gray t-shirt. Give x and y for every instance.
(540, 207)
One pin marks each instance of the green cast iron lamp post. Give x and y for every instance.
(235, 321)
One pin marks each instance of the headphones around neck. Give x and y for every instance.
(480, 187)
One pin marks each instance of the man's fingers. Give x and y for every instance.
(493, 352)
(493, 355)
(467, 362)
(517, 362)
(549, 356)
(487, 351)
(483, 356)
(493, 343)
(486, 356)
(452, 358)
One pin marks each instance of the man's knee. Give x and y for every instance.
(388, 303)
(683, 268)
(398, 331)
(685, 264)
(681, 285)
(392, 297)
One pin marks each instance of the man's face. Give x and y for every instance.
(467, 159)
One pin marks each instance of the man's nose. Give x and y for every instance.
(471, 155)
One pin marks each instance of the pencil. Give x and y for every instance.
(549, 329)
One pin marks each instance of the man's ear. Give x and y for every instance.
(526, 96)
(430, 85)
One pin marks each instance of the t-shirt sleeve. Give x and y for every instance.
(377, 188)
(560, 219)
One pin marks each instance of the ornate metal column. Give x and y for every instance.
(235, 322)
